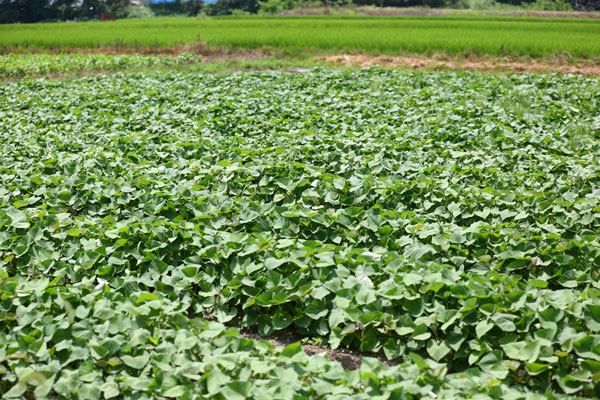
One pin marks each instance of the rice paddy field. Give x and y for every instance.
(535, 37)
(171, 232)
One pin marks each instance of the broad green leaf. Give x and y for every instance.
(146, 297)
(493, 364)
(291, 349)
(592, 317)
(137, 362)
(19, 218)
(483, 327)
(437, 351)
(504, 322)
(523, 351)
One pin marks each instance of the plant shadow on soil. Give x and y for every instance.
(350, 360)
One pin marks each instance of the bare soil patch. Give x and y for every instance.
(349, 359)
(496, 65)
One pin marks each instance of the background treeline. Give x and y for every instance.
(49, 10)
(12, 11)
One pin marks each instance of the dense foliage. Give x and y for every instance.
(449, 221)
(303, 36)
(43, 10)
(139, 346)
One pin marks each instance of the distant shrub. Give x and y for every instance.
(541, 5)
(550, 5)
(136, 12)
(276, 6)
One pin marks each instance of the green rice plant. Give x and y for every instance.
(297, 35)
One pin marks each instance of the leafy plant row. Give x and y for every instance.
(91, 342)
(449, 217)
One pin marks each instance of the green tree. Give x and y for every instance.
(24, 10)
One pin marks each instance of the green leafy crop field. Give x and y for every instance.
(482, 35)
(448, 222)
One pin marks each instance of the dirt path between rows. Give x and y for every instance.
(349, 359)
(495, 65)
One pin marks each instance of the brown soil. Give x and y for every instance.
(349, 360)
(496, 65)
